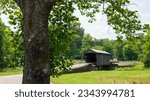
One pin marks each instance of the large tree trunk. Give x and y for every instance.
(36, 66)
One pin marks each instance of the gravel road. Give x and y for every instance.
(13, 79)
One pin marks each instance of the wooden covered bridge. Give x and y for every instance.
(93, 58)
(97, 57)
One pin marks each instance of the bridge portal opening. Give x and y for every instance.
(90, 57)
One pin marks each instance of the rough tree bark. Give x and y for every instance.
(36, 65)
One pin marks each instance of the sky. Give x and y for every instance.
(99, 29)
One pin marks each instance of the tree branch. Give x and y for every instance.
(50, 4)
(20, 4)
(51, 1)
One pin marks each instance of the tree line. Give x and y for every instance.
(12, 49)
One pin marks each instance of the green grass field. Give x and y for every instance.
(10, 71)
(134, 75)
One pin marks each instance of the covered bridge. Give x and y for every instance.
(97, 57)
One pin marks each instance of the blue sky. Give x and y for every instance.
(99, 29)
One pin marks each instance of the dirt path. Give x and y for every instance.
(12, 79)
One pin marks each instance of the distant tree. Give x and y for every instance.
(98, 44)
(88, 42)
(98, 47)
(76, 45)
(145, 56)
(107, 45)
(118, 50)
(129, 52)
(137, 45)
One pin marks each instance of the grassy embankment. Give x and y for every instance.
(10, 71)
(134, 74)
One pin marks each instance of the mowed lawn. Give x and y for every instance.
(105, 77)
(135, 75)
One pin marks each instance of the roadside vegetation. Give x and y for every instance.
(10, 71)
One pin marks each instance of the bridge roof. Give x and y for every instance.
(97, 51)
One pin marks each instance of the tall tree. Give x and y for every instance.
(35, 15)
